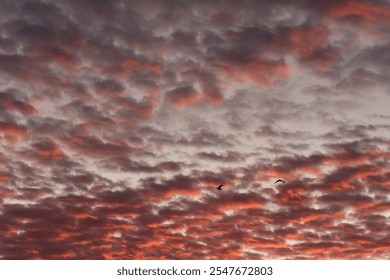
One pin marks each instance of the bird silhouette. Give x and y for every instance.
(280, 180)
(219, 187)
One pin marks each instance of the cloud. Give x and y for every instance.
(9, 129)
(229, 157)
(10, 103)
(47, 149)
(182, 96)
(119, 120)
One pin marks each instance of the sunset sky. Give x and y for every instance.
(118, 120)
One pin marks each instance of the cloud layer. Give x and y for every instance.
(119, 118)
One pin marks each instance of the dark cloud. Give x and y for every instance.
(182, 96)
(127, 165)
(10, 102)
(204, 138)
(108, 87)
(229, 157)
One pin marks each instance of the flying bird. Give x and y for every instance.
(219, 187)
(280, 180)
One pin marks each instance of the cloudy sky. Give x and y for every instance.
(119, 118)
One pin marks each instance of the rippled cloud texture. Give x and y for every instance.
(118, 120)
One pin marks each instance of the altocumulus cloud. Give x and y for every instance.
(119, 118)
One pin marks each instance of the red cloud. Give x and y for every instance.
(9, 103)
(95, 174)
(133, 64)
(93, 146)
(47, 150)
(53, 154)
(292, 194)
(259, 71)
(182, 96)
(238, 205)
(304, 41)
(371, 13)
(210, 87)
(310, 45)
(61, 56)
(4, 177)
(12, 129)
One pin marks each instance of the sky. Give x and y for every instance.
(118, 120)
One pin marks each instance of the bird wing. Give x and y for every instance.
(280, 180)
